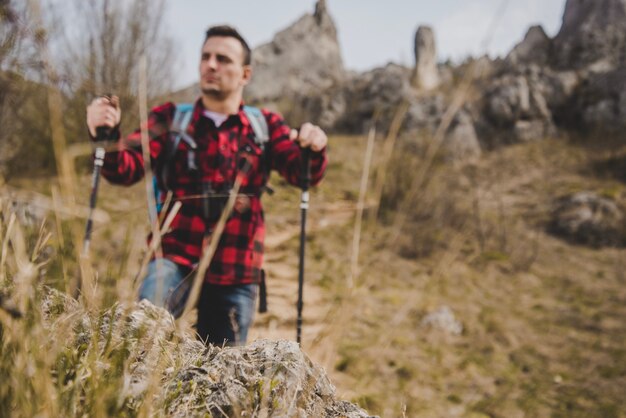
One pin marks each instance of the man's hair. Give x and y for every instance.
(230, 32)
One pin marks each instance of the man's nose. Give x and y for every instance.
(212, 62)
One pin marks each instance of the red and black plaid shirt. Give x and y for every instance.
(239, 256)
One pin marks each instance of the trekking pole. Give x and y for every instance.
(304, 206)
(102, 134)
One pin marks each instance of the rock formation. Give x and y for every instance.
(426, 73)
(534, 49)
(573, 83)
(265, 378)
(593, 33)
(303, 58)
(377, 91)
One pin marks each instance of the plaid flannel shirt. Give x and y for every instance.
(239, 255)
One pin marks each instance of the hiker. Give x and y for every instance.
(199, 169)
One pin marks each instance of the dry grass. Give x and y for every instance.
(542, 334)
(543, 331)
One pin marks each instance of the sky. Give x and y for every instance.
(371, 32)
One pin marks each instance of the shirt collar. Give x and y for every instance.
(243, 119)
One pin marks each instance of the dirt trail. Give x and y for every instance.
(281, 266)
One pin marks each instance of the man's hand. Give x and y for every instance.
(103, 112)
(310, 136)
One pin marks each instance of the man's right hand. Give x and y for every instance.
(103, 112)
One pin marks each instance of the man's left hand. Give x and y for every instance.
(310, 136)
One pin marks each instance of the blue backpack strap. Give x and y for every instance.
(261, 137)
(259, 125)
(178, 131)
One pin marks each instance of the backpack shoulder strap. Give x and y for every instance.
(178, 131)
(259, 125)
(182, 117)
(261, 137)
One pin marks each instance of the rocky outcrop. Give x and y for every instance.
(426, 75)
(592, 41)
(380, 91)
(516, 105)
(534, 49)
(573, 83)
(593, 34)
(265, 378)
(301, 59)
(589, 219)
(599, 105)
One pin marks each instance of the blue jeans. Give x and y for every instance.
(171, 281)
(225, 313)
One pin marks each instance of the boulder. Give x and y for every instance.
(265, 378)
(508, 101)
(301, 59)
(443, 320)
(589, 219)
(381, 91)
(518, 106)
(426, 75)
(461, 141)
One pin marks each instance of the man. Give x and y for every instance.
(200, 177)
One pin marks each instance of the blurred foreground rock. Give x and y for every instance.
(270, 378)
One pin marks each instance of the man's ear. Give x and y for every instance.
(247, 74)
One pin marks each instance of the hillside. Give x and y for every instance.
(542, 330)
(525, 324)
(542, 319)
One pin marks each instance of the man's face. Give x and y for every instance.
(222, 72)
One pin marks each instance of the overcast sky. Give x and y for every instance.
(371, 32)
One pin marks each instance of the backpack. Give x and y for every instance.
(178, 132)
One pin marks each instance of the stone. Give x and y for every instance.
(266, 378)
(526, 130)
(518, 106)
(380, 90)
(426, 75)
(443, 319)
(508, 100)
(589, 219)
(461, 141)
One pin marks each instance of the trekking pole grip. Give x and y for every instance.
(102, 133)
(305, 177)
